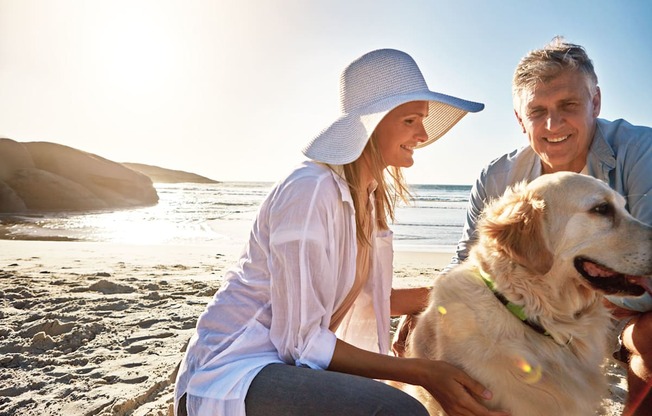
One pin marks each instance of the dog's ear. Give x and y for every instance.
(514, 224)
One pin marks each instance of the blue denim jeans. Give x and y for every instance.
(285, 390)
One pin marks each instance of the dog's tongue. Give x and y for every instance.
(596, 270)
(643, 281)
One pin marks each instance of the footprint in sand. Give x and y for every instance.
(49, 327)
(106, 287)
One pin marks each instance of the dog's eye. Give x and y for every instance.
(603, 209)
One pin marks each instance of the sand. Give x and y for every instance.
(99, 329)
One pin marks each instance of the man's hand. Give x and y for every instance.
(405, 326)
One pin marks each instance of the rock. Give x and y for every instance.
(62, 194)
(109, 180)
(43, 176)
(13, 156)
(9, 200)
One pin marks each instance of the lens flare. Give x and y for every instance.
(531, 373)
(452, 315)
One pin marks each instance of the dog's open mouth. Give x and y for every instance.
(610, 282)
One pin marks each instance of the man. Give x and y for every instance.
(557, 103)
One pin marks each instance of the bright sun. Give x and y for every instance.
(134, 55)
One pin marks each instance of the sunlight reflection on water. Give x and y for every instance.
(199, 213)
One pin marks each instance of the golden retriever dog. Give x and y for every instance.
(524, 314)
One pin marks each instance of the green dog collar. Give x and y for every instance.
(515, 309)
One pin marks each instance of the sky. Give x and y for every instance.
(233, 90)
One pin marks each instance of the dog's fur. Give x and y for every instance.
(547, 246)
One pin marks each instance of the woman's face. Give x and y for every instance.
(400, 131)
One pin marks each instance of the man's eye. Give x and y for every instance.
(536, 113)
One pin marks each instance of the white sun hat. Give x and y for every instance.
(370, 87)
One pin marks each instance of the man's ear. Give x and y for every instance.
(520, 122)
(597, 102)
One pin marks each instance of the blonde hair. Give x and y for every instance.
(391, 189)
(545, 64)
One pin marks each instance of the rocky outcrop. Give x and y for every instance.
(163, 175)
(43, 176)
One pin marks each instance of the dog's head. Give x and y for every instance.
(567, 223)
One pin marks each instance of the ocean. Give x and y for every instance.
(203, 213)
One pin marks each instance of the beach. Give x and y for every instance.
(96, 328)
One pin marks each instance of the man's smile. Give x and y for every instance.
(556, 139)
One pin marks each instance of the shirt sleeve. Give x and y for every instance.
(475, 206)
(492, 182)
(636, 168)
(303, 266)
(638, 180)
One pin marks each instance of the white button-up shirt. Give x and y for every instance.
(276, 303)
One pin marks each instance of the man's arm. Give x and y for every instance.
(477, 199)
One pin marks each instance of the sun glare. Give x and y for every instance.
(134, 55)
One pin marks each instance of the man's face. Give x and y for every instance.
(559, 120)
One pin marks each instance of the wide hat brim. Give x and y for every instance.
(344, 140)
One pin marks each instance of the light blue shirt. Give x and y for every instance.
(620, 154)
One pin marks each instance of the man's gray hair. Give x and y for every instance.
(545, 64)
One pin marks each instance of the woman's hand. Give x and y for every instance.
(456, 392)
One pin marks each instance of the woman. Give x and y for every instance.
(311, 291)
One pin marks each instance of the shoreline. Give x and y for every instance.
(99, 328)
(404, 255)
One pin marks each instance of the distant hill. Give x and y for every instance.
(162, 175)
